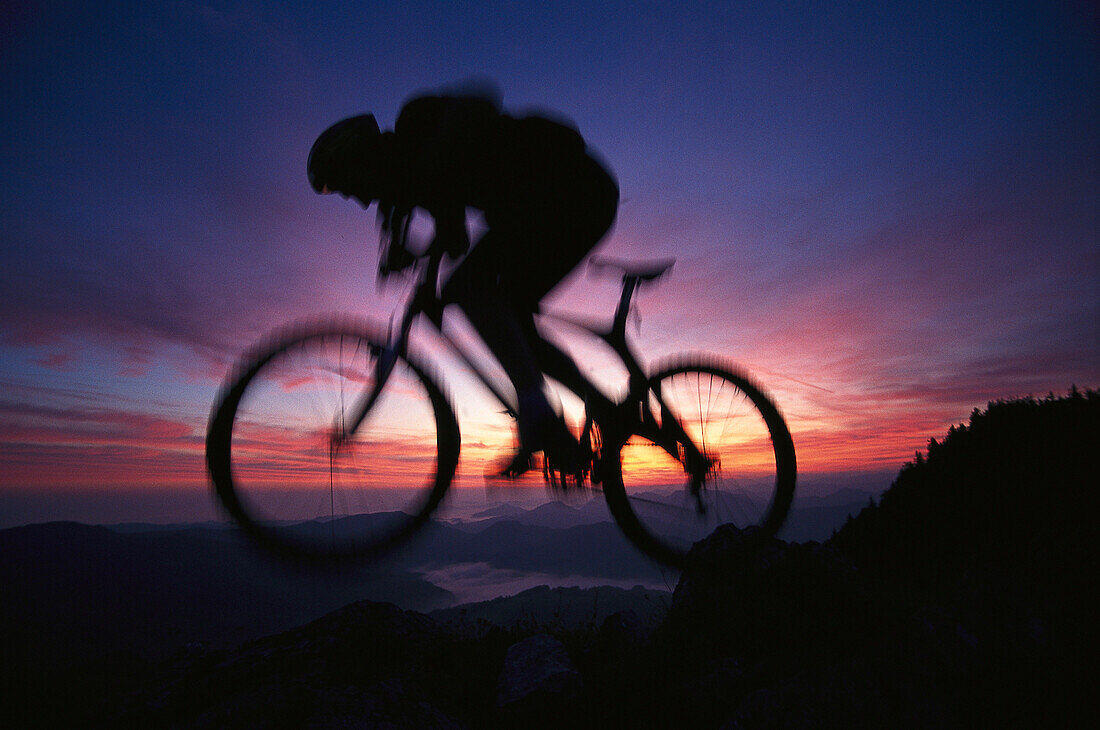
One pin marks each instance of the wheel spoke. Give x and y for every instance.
(288, 474)
(732, 424)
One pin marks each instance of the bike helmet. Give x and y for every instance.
(341, 158)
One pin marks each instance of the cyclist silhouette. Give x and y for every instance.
(546, 203)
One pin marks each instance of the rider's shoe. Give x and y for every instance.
(541, 429)
(518, 465)
(563, 460)
(561, 453)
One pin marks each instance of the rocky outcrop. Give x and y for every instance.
(537, 670)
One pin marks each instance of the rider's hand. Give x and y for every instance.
(393, 255)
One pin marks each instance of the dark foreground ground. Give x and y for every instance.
(957, 601)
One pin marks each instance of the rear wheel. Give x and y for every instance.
(664, 502)
(282, 468)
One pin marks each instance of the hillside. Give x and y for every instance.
(956, 601)
(1013, 487)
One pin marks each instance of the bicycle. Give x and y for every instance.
(368, 442)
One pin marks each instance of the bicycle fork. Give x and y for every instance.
(671, 436)
(387, 360)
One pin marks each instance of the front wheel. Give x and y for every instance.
(285, 467)
(665, 499)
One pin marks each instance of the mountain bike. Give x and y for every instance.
(335, 440)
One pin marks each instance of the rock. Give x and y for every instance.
(839, 696)
(727, 555)
(756, 599)
(537, 670)
(716, 685)
(621, 632)
(389, 704)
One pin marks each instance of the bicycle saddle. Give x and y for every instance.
(640, 270)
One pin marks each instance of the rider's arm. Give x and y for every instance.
(451, 235)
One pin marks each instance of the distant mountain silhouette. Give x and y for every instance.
(499, 510)
(810, 518)
(560, 515)
(562, 609)
(82, 606)
(73, 588)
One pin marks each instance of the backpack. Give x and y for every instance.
(550, 136)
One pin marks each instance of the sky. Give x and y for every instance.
(887, 214)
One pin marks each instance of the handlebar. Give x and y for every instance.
(394, 254)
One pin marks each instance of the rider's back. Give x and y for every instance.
(464, 150)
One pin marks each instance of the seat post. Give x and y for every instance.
(630, 283)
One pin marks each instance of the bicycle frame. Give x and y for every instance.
(632, 415)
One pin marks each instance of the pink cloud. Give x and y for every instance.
(59, 446)
(60, 361)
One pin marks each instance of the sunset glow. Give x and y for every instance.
(885, 216)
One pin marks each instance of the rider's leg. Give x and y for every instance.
(483, 286)
(540, 427)
(502, 329)
(526, 253)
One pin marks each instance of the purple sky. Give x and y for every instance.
(889, 215)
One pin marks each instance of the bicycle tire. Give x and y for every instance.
(265, 454)
(748, 474)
